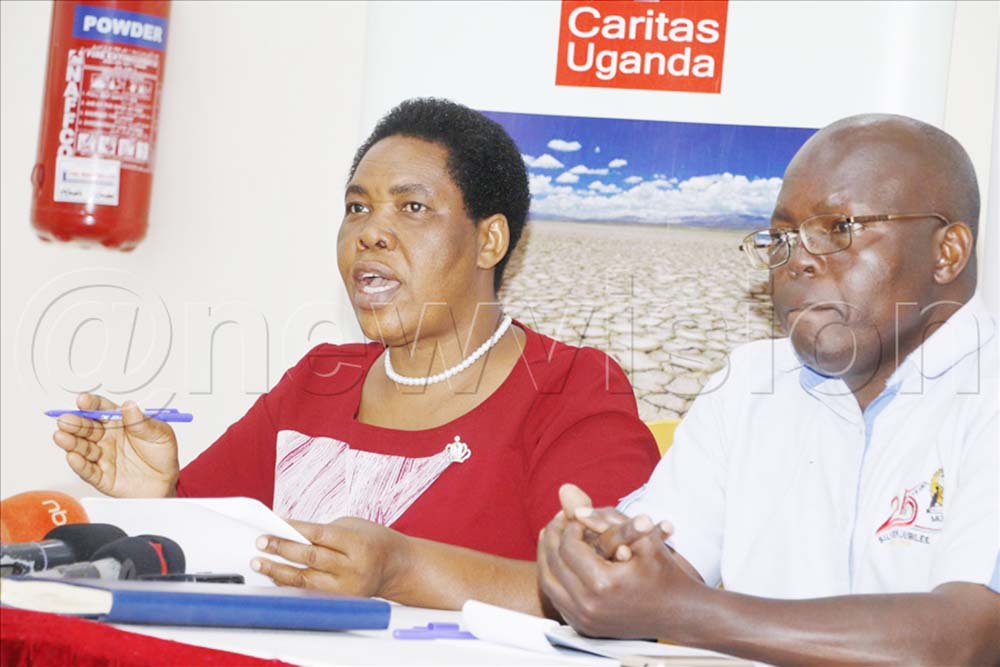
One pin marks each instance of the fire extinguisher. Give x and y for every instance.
(103, 87)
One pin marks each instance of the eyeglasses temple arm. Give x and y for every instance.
(894, 216)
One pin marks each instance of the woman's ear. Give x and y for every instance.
(954, 250)
(494, 239)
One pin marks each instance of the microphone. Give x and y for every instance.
(171, 555)
(125, 558)
(27, 517)
(62, 546)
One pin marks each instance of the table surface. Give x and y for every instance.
(364, 647)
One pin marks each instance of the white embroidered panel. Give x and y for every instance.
(321, 479)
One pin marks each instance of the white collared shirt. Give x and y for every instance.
(779, 486)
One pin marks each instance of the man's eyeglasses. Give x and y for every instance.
(820, 235)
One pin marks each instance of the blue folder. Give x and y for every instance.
(232, 605)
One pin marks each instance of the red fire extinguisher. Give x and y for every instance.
(103, 86)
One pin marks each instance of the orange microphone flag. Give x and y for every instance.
(29, 516)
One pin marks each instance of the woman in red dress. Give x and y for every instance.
(421, 466)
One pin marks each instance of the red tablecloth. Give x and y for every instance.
(29, 638)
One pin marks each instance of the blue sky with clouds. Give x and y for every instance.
(651, 171)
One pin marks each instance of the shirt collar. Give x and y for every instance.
(967, 330)
(786, 359)
(964, 333)
(831, 391)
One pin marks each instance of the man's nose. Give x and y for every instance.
(801, 261)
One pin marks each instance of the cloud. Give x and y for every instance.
(541, 186)
(597, 149)
(608, 189)
(527, 159)
(659, 200)
(565, 146)
(545, 161)
(567, 177)
(582, 169)
(633, 179)
(617, 162)
(661, 181)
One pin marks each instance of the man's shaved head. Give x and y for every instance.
(854, 311)
(907, 153)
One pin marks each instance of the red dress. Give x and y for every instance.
(564, 414)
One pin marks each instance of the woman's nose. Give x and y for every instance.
(376, 235)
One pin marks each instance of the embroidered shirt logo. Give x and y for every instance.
(917, 513)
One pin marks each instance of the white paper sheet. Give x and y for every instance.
(510, 628)
(564, 635)
(216, 534)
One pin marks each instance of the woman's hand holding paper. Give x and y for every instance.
(349, 556)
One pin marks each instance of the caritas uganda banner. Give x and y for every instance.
(655, 136)
(666, 45)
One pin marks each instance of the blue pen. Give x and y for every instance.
(433, 631)
(163, 414)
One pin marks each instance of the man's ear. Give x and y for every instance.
(954, 250)
(494, 239)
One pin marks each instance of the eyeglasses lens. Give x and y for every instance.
(766, 248)
(825, 234)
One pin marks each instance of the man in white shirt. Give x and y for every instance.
(841, 484)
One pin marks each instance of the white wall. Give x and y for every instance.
(797, 64)
(260, 116)
(970, 115)
(989, 276)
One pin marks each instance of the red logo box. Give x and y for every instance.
(665, 45)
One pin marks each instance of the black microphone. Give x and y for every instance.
(63, 545)
(171, 554)
(126, 558)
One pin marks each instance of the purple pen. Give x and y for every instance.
(162, 414)
(433, 631)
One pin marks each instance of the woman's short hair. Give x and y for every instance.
(483, 160)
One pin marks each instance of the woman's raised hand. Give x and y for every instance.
(131, 457)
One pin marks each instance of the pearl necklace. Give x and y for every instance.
(454, 370)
